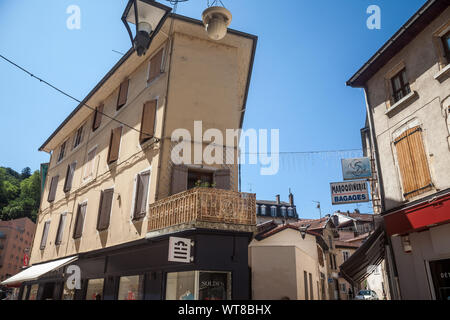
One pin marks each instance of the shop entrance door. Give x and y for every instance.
(440, 273)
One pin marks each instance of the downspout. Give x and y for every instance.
(392, 265)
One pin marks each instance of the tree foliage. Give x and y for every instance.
(19, 194)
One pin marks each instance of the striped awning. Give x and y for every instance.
(361, 263)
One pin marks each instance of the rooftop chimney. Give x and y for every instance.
(291, 199)
(278, 199)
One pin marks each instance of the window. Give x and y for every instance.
(446, 43)
(68, 294)
(155, 65)
(81, 213)
(283, 211)
(334, 261)
(114, 145)
(412, 162)
(330, 242)
(95, 289)
(311, 287)
(52, 191)
(345, 255)
(291, 212)
(184, 178)
(263, 210)
(97, 117)
(198, 285)
(200, 178)
(140, 205)
(400, 86)
(59, 234)
(343, 288)
(90, 164)
(61, 151)
(305, 280)
(69, 177)
(123, 94)
(273, 211)
(131, 288)
(33, 292)
(104, 210)
(148, 123)
(78, 137)
(45, 234)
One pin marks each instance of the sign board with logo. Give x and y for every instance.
(349, 192)
(180, 250)
(358, 168)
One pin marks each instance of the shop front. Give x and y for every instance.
(217, 269)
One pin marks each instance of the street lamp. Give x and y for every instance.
(148, 17)
(303, 230)
(216, 20)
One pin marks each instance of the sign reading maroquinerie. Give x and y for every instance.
(349, 192)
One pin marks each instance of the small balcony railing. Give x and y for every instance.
(206, 208)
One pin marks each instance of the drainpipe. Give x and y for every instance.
(392, 273)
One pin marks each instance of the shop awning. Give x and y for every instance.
(361, 263)
(36, 271)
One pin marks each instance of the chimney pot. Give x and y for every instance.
(291, 199)
(278, 199)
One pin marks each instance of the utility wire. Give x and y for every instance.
(307, 152)
(71, 97)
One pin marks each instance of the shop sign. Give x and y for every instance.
(349, 192)
(354, 169)
(180, 250)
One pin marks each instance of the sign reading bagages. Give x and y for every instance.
(349, 192)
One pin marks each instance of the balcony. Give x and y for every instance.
(205, 208)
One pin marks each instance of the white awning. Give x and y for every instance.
(36, 271)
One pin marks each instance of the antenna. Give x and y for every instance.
(318, 207)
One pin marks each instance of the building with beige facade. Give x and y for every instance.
(288, 264)
(407, 135)
(116, 190)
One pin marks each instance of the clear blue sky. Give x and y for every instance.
(306, 52)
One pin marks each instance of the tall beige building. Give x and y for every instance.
(115, 194)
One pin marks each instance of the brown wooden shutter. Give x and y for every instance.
(142, 183)
(413, 164)
(114, 145)
(148, 121)
(98, 117)
(52, 191)
(155, 65)
(61, 225)
(123, 94)
(104, 211)
(222, 179)
(80, 221)
(179, 179)
(45, 235)
(69, 177)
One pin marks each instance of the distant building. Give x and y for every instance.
(16, 238)
(278, 211)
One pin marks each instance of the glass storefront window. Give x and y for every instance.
(198, 285)
(68, 294)
(33, 292)
(131, 288)
(24, 293)
(95, 289)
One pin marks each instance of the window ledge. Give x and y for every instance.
(401, 102)
(441, 74)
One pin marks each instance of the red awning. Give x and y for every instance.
(419, 216)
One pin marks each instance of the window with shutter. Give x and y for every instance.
(123, 94)
(222, 179)
(140, 206)
(81, 213)
(155, 65)
(179, 179)
(400, 86)
(413, 163)
(97, 117)
(90, 164)
(114, 145)
(104, 210)
(148, 121)
(78, 137)
(45, 235)
(52, 191)
(69, 177)
(59, 234)
(62, 150)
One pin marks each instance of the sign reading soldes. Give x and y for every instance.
(349, 192)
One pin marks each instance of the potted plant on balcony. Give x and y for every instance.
(206, 184)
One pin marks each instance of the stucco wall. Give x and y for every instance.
(422, 62)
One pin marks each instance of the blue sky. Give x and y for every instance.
(306, 52)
